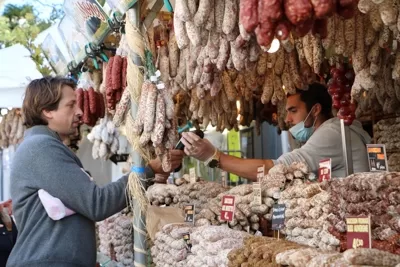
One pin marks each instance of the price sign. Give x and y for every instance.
(228, 208)
(73, 39)
(192, 175)
(189, 213)
(325, 170)
(90, 17)
(188, 241)
(260, 173)
(358, 232)
(53, 54)
(377, 158)
(278, 216)
(257, 193)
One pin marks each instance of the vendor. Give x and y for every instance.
(309, 114)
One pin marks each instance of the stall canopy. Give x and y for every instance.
(17, 69)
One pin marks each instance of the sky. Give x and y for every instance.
(44, 11)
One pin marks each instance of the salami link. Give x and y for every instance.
(159, 128)
(139, 122)
(230, 16)
(298, 11)
(117, 73)
(92, 100)
(86, 109)
(102, 106)
(150, 109)
(248, 14)
(79, 98)
(109, 74)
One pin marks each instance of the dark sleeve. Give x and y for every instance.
(14, 232)
(57, 172)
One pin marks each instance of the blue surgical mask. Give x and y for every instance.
(300, 132)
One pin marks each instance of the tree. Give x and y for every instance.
(21, 25)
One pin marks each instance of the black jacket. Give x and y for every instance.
(7, 241)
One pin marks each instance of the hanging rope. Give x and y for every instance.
(136, 182)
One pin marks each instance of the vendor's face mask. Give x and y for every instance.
(300, 132)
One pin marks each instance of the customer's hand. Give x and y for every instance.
(176, 161)
(8, 205)
(196, 147)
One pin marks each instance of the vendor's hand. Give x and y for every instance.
(176, 161)
(196, 147)
(161, 178)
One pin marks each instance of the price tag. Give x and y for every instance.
(257, 193)
(228, 208)
(153, 78)
(358, 232)
(188, 241)
(278, 216)
(158, 73)
(192, 175)
(377, 158)
(260, 173)
(189, 213)
(258, 233)
(224, 182)
(325, 170)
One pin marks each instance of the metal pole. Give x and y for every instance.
(139, 229)
(346, 145)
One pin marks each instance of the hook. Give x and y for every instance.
(96, 51)
(104, 47)
(114, 23)
(92, 54)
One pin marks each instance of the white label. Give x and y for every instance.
(192, 175)
(260, 173)
(160, 86)
(223, 179)
(257, 193)
(158, 73)
(153, 78)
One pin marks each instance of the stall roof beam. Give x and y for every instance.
(153, 13)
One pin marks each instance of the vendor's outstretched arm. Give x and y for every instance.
(246, 168)
(203, 150)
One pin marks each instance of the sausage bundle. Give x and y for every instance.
(92, 105)
(115, 80)
(155, 123)
(11, 128)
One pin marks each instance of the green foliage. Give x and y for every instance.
(21, 25)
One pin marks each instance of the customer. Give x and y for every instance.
(309, 113)
(42, 161)
(8, 231)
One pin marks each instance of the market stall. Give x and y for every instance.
(149, 73)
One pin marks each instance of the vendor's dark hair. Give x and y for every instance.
(42, 94)
(317, 93)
